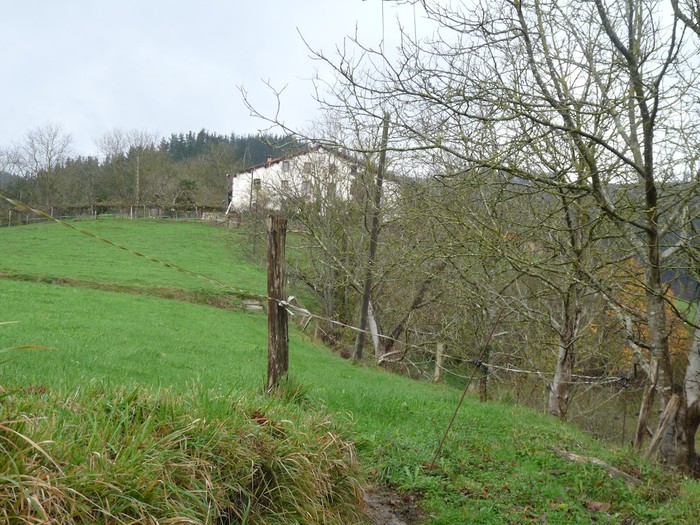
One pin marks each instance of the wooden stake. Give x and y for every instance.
(624, 417)
(277, 327)
(438, 361)
(666, 418)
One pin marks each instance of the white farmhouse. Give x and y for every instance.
(313, 173)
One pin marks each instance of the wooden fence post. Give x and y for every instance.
(439, 352)
(277, 328)
(483, 380)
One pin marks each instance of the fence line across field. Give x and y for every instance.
(295, 309)
(287, 304)
(21, 215)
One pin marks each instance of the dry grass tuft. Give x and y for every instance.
(98, 456)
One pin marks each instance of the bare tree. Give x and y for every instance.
(39, 158)
(581, 100)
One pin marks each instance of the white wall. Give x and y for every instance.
(314, 173)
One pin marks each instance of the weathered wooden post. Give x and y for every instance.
(277, 328)
(439, 353)
(483, 380)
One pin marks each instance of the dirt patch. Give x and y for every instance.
(385, 506)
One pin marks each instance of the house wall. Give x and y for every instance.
(307, 176)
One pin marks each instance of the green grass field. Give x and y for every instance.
(498, 464)
(55, 251)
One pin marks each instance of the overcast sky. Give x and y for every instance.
(168, 66)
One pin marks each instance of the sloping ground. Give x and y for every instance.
(133, 253)
(499, 465)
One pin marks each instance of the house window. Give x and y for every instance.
(307, 167)
(353, 170)
(285, 166)
(333, 169)
(256, 184)
(285, 184)
(331, 190)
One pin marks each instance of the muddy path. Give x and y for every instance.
(385, 506)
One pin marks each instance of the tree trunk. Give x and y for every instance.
(418, 302)
(647, 403)
(560, 388)
(691, 415)
(373, 238)
(329, 288)
(484, 377)
(691, 421)
(659, 343)
(374, 331)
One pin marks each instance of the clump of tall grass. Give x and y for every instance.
(101, 456)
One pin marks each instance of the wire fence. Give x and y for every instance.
(17, 216)
(613, 396)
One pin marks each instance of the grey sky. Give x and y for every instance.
(167, 66)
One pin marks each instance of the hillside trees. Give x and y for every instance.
(329, 194)
(510, 246)
(81, 182)
(328, 244)
(583, 102)
(135, 168)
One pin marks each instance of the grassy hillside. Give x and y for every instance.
(499, 464)
(54, 251)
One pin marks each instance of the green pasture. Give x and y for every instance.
(51, 250)
(498, 464)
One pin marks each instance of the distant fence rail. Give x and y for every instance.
(14, 216)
